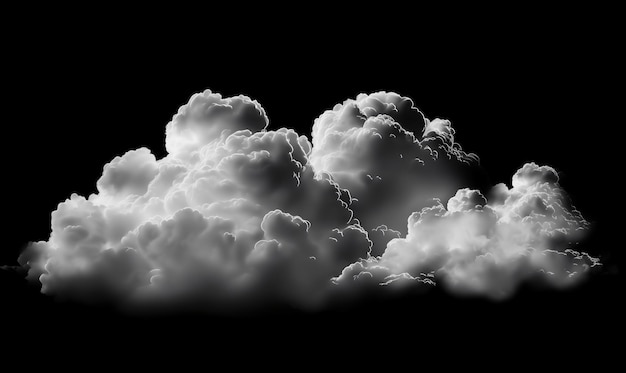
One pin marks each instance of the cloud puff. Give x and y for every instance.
(531, 174)
(475, 246)
(237, 214)
(128, 175)
(390, 157)
(208, 117)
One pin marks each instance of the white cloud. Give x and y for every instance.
(236, 214)
(129, 174)
(479, 247)
(208, 117)
(391, 159)
(531, 174)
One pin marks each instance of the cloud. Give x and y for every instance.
(237, 214)
(390, 157)
(128, 175)
(531, 174)
(475, 246)
(208, 117)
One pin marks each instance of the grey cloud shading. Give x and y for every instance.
(128, 175)
(207, 117)
(390, 157)
(475, 246)
(379, 199)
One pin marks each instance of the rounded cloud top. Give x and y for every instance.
(531, 173)
(208, 117)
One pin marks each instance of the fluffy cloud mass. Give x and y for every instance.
(378, 199)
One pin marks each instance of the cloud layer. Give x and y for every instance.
(235, 214)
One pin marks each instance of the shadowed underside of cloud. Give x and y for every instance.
(237, 215)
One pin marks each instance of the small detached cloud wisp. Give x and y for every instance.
(237, 214)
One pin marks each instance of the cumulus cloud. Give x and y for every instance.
(236, 214)
(208, 117)
(390, 157)
(475, 246)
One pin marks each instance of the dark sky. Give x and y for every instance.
(78, 94)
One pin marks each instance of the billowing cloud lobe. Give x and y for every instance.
(236, 214)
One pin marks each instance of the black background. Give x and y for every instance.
(522, 86)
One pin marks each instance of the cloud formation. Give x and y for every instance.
(476, 246)
(237, 214)
(390, 157)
